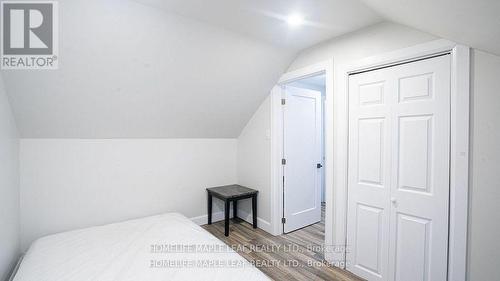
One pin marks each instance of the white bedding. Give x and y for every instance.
(158, 248)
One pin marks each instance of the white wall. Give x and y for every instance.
(69, 184)
(9, 187)
(484, 213)
(376, 39)
(254, 163)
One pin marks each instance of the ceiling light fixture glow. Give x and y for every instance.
(295, 20)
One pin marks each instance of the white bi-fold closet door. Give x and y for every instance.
(399, 153)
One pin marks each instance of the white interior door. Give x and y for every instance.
(302, 151)
(399, 142)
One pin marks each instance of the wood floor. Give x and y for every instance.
(294, 256)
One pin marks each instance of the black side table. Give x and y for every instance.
(231, 193)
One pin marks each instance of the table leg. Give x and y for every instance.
(254, 210)
(226, 217)
(209, 206)
(235, 210)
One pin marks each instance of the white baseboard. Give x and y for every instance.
(218, 216)
(261, 223)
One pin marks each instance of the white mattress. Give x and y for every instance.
(164, 247)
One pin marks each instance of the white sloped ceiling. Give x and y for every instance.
(266, 19)
(199, 68)
(133, 70)
(127, 70)
(475, 23)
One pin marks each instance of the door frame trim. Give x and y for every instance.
(459, 152)
(277, 142)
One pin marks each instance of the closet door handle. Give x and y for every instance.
(319, 166)
(394, 201)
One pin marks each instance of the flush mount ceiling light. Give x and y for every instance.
(295, 20)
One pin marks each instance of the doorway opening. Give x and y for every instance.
(301, 160)
(303, 153)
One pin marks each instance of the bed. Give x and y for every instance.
(163, 247)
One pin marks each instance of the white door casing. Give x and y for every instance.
(302, 116)
(398, 179)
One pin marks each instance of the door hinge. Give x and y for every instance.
(283, 161)
(283, 101)
(283, 220)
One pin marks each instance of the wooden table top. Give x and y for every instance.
(231, 191)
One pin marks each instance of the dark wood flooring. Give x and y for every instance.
(294, 256)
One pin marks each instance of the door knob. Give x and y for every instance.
(319, 165)
(394, 201)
